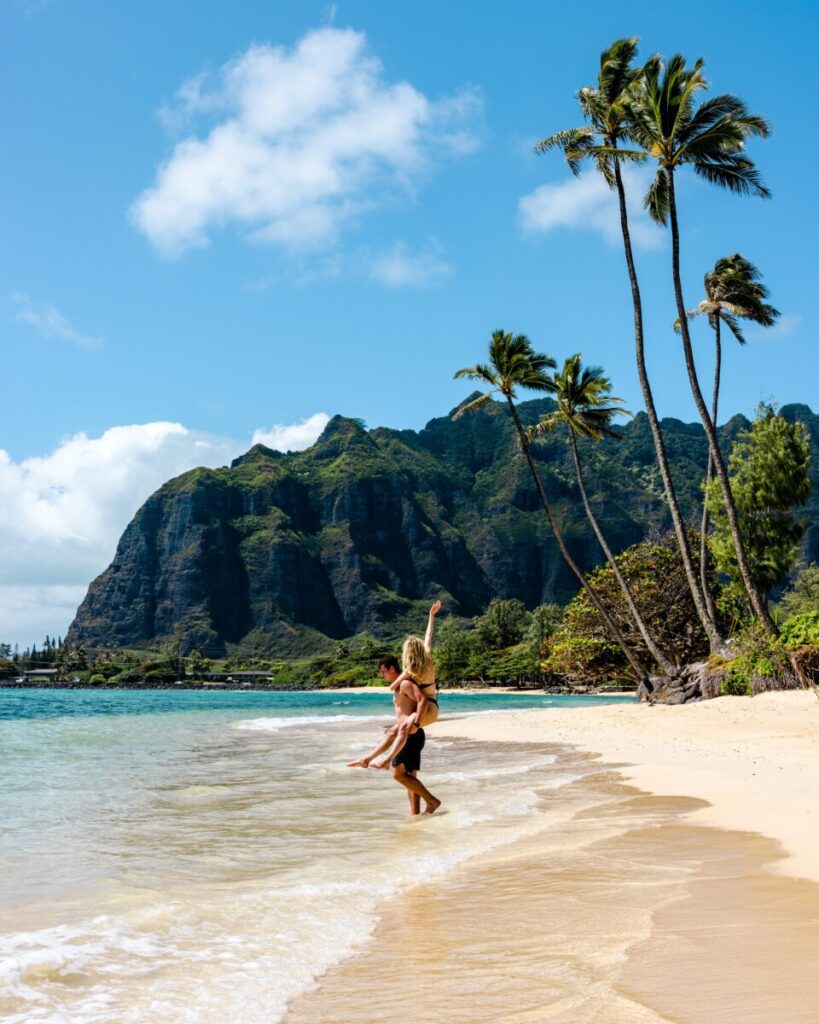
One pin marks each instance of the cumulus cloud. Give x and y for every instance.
(295, 143)
(61, 514)
(49, 322)
(293, 437)
(587, 203)
(399, 267)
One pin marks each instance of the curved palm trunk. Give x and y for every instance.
(715, 641)
(709, 472)
(611, 626)
(661, 659)
(757, 604)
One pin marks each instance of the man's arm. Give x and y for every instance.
(414, 692)
(430, 627)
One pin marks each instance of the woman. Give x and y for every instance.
(414, 695)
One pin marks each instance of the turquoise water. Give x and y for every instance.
(205, 856)
(23, 704)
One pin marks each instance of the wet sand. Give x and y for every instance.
(625, 907)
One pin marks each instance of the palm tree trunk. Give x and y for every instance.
(757, 604)
(709, 472)
(715, 641)
(640, 672)
(654, 650)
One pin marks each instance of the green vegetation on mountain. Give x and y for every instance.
(281, 555)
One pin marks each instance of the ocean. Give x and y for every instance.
(207, 857)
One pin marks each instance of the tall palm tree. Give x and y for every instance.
(605, 109)
(733, 292)
(587, 408)
(666, 122)
(514, 364)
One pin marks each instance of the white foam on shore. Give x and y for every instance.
(241, 950)
(274, 724)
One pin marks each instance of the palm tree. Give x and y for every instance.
(586, 407)
(514, 364)
(733, 292)
(605, 108)
(665, 121)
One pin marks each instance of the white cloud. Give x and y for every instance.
(297, 142)
(49, 322)
(294, 437)
(587, 203)
(398, 267)
(61, 514)
(786, 325)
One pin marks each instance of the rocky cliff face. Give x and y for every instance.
(284, 552)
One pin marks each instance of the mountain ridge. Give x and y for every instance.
(288, 552)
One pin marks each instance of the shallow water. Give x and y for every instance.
(204, 857)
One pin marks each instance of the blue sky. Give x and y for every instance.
(172, 256)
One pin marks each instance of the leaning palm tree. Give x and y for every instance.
(587, 408)
(666, 122)
(605, 109)
(733, 292)
(514, 364)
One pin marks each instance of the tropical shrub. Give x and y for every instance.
(803, 596)
(801, 629)
(97, 677)
(581, 648)
(769, 476)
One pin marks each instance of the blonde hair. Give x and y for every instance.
(414, 656)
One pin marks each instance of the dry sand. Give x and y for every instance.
(755, 760)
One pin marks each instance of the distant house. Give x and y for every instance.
(40, 673)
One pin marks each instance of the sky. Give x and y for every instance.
(224, 223)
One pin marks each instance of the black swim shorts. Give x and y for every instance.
(410, 756)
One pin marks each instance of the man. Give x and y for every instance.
(407, 762)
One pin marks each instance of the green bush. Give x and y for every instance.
(801, 629)
(359, 675)
(127, 675)
(761, 663)
(98, 677)
(158, 675)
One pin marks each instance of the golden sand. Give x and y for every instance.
(628, 907)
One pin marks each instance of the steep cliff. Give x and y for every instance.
(285, 552)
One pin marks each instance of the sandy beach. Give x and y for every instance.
(668, 878)
(753, 759)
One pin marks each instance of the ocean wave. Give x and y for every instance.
(274, 724)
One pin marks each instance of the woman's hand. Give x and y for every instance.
(435, 609)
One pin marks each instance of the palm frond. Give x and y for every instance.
(656, 199)
(735, 173)
(473, 406)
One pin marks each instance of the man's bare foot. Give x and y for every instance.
(362, 762)
(433, 806)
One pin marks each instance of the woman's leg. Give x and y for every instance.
(389, 739)
(401, 737)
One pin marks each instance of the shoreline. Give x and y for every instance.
(753, 760)
(244, 688)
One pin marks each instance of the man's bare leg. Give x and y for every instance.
(389, 739)
(414, 800)
(414, 785)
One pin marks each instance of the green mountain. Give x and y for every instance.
(286, 553)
